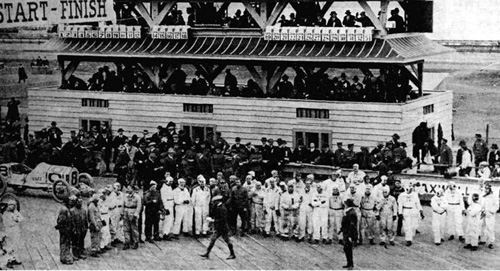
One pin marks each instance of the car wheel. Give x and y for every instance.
(3, 187)
(10, 196)
(60, 190)
(86, 179)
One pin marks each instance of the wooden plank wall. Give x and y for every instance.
(413, 114)
(363, 124)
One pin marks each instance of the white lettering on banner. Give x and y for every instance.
(429, 187)
(18, 13)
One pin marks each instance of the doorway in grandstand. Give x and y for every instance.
(319, 138)
(100, 124)
(197, 130)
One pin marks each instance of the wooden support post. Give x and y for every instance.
(384, 4)
(61, 68)
(222, 9)
(276, 76)
(142, 11)
(152, 71)
(70, 69)
(155, 9)
(321, 70)
(258, 19)
(203, 70)
(420, 75)
(259, 80)
(379, 24)
(216, 72)
(277, 10)
(326, 7)
(159, 18)
(366, 71)
(414, 79)
(263, 11)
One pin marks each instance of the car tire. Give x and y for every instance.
(60, 190)
(8, 196)
(89, 180)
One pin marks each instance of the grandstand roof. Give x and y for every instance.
(394, 49)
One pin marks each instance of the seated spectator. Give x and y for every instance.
(199, 85)
(284, 88)
(236, 21)
(319, 21)
(363, 20)
(348, 19)
(399, 21)
(334, 21)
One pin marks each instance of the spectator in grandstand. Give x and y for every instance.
(363, 19)
(284, 88)
(464, 159)
(21, 72)
(348, 19)
(230, 82)
(334, 21)
(199, 85)
(399, 21)
(319, 20)
(480, 150)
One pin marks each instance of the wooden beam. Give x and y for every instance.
(70, 69)
(420, 75)
(142, 11)
(222, 9)
(366, 71)
(152, 71)
(384, 4)
(155, 9)
(260, 80)
(321, 70)
(159, 18)
(414, 79)
(277, 10)
(258, 19)
(202, 69)
(379, 25)
(276, 77)
(216, 72)
(263, 11)
(326, 7)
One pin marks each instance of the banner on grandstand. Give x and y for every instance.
(18, 13)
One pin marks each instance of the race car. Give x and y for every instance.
(59, 180)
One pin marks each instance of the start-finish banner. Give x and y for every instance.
(17, 13)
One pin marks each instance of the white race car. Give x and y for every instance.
(59, 180)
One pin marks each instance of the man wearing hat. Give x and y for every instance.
(493, 156)
(350, 232)
(218, 215)
(439, 207)
(117, 141)
(409, 208)
(95, 225)
(257, 217)
(81, 226)
(104, 206)
(356, 196)
(464, 159)
(320, 204)
(271, 203)
(121, 166)
(289, 203)
(484, 172)
(132, 207)
(333, 21)
(239, 206)
(480, 150)
(474, 213)
(419, 136)
(348, 19)
(140, 159)
(335, 213)
(339, 155)
(65, 226)
(201, 202)
(152, 204)
(167, 199)
(455, 211)
(305, 211)
(11, 219)
(368, 214)
(490, 205)
(356, 176)
(350, 156)
(183, 209)
(144, 138)
(445, 157)
(387, 208)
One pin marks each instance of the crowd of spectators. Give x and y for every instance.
(307, 14)
(39, 62)
(391, 85)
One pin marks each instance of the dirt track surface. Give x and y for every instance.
(39, 249)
